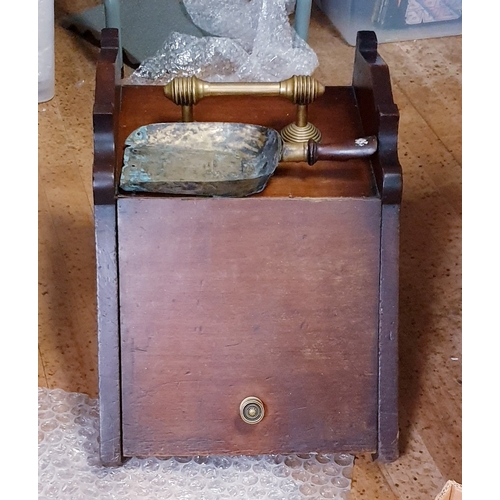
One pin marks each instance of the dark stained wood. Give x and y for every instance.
(341, 151)
(108, 339)
(105, 118)
(221, 299)
(379, 115)
(105, 121)
(388, 423)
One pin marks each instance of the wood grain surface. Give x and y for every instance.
(221, 299)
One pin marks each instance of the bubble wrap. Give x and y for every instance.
(250, 41)
(69, 467)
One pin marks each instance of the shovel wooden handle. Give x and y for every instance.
(358, 148)
(312, 151)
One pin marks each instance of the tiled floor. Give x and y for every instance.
(426, 76)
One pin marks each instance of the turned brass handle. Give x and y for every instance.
(302, 90)
(252, 410)
(188, 90)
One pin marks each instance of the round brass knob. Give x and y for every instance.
(252, 410)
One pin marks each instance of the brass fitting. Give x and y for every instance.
(300, 89)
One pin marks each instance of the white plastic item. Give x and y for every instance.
(46, 67)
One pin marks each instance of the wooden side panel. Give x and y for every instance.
(105, 118)
(108, 335)
(379, 115)
(222, 299)
(105, 123)
(388, 425)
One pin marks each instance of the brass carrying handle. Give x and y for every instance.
(302, 90)
(188, 90)
(311, 151)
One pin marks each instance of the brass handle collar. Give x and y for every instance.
(301, 89)
(185, 90)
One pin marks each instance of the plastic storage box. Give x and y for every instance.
(394, 20)
(46, 65)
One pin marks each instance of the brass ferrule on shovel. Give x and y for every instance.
(301, 90)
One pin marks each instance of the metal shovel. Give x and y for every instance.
(218, 159)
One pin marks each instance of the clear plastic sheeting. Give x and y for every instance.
(249, 40)
(69, 466)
